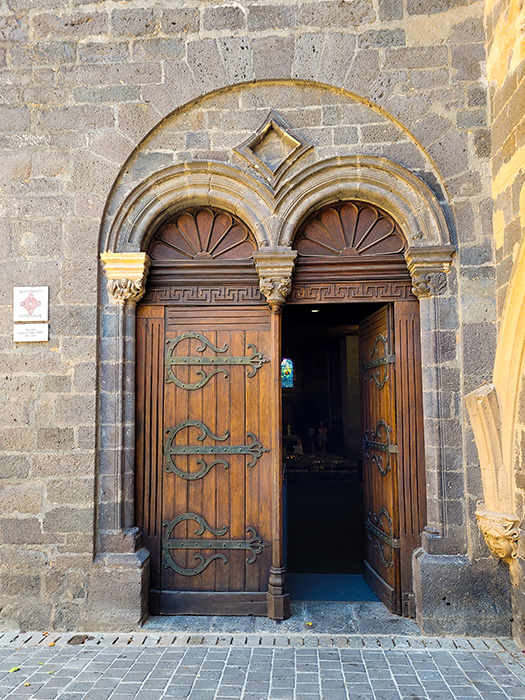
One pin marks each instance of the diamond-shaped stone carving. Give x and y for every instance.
(273, 148)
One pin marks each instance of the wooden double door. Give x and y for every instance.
(204, 450)
(208, 486)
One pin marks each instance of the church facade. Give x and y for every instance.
(189, 183)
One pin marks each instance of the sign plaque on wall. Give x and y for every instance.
(30, 314)
(31, 332)
(31, 304)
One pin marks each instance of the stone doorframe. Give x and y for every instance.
(273, 216)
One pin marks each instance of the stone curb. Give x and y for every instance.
(178, 639)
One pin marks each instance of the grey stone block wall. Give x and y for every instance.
(95, 99)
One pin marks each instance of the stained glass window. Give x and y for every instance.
(287, 373)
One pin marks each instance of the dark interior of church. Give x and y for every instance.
(322, 439)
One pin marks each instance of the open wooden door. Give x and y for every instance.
(204, 478)
(393, 464)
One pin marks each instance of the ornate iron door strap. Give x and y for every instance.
(382, 361)
(254, 544)
(381, 536)
(254, 361)
(375, 445)
(254, 449)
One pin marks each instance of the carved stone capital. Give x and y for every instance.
(127, 274)
(428, 268)
(501, 533)
(428, 285)
(275, 268)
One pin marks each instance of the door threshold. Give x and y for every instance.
(348, 588)
(308, 619)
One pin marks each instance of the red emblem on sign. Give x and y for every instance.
(30, 304)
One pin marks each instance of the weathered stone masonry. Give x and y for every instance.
(97, 98)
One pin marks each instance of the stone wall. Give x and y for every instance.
(505, 72)
(82, 85)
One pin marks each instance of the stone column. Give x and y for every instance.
(118, 586)
(429, 268)
(126, 274)
(275, 269)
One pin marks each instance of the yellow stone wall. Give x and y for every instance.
(505, 25)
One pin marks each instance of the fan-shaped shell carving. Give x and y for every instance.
(202, 233)
(349, 229)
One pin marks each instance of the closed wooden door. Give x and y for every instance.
(393, 467)
(204, 486)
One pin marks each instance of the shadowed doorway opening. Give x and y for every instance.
(322, 452)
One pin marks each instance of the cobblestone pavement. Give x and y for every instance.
(193, 662)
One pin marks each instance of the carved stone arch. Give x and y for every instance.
(384, 184)
(181, 186)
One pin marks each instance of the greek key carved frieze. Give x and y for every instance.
(205, 296)
(345, 291)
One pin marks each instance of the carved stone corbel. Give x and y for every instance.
(501, 533)
(499, 527)
(428, 268)
(275, 268)
(126, 273)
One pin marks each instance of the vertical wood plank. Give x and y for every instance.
(278, 601)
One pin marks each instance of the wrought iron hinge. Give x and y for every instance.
(373, 529)
(254, 361)
(253, 544)
(382, 361)
(376, 445)
(254, 450)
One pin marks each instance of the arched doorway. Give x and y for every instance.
(273, 218)
(352, 322)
